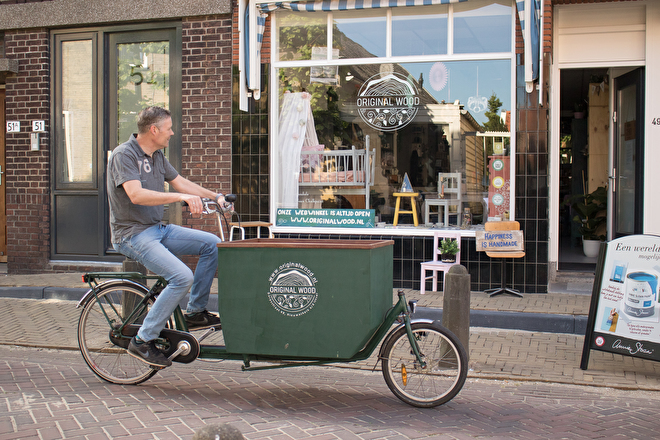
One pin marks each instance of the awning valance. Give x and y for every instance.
(347, 5)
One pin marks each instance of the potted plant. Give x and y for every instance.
(591, 216)
(448, 250)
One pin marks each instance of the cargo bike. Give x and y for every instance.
(283, 303)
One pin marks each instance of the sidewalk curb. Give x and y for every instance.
(29, 292)
(536, 322)
(533, 322)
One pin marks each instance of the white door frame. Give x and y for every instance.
(589, 50)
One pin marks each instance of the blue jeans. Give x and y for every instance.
(158, 249)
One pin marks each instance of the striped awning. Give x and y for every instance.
(255, 21)
(347, 5)
(529, 14)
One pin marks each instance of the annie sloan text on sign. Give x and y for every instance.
(499, 240)
(334, 218)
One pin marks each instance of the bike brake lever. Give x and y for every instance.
(211, 207)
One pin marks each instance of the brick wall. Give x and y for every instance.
(206, 106)
(206, 109)
(27, 173)
(206, 133)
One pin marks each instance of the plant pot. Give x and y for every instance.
(590, 247)
(448, 258)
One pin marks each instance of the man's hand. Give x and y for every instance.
(194, 203)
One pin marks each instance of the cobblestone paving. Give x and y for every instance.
(48, 394)
(498, 354)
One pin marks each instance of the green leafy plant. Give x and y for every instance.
(591, 213)
(449, 246)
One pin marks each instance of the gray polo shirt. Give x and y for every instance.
(129, 162)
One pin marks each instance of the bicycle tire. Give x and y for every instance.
(446, 365)
(108, 361)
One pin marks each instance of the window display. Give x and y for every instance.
(350, 129)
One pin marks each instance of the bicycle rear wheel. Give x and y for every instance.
(430, 385)
(107, 359)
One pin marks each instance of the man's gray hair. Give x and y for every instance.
(151, 116)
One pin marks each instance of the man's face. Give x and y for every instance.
(162, 133)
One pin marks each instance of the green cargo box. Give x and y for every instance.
(299, 298)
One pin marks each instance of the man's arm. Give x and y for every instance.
(187, 191)
(185, 186)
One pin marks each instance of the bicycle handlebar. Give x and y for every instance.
(211, 206)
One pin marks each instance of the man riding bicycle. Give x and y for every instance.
(136, 176)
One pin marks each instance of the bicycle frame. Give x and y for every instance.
(400, 312)
(134, 278)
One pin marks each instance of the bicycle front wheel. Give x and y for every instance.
(438, 379)
(109, 310)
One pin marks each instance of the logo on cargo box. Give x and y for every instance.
(292, 289)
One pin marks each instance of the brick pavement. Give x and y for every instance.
(49, 394)
(520, 385)
(498, 354)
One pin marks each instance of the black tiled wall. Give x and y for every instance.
(409, 252)
(249, 153)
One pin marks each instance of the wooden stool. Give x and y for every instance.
(242, 225)
(397, 211)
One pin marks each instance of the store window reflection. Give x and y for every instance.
(349, 134)
(443, 138)
(482, 26)
(417, 33)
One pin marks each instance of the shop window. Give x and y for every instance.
(415, 33)
(360, 34)
(299, 33)
(482, 26)
(351, 134)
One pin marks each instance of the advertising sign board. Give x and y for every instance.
(624, 316)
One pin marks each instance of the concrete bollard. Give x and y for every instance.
(218, 432)
(129, 301)
(129, 265)
(456, 304)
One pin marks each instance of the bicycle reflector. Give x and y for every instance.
(404, 375)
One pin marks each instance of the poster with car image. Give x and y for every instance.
(624, 316)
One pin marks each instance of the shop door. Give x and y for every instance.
(627, 174)
(3, 214)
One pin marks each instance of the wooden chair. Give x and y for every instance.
(451, 190)
(503, 256)
(436, 265)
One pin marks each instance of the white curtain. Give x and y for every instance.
(296, 128)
